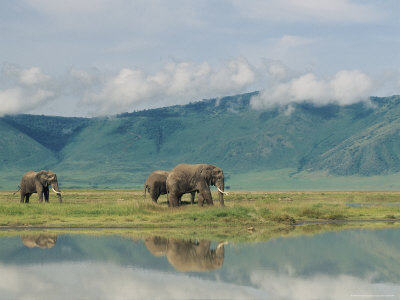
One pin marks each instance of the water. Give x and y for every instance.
(351, 264)
(356, 204)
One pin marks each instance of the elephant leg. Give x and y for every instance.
(46, 194)
(40, 194)
(22, 198)
(27, 198)
(200, 199)
(192, 194)
(154, 196)
(205, 195)
(174, 199)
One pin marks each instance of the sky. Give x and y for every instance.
(104, 57)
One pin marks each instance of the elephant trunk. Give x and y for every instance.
(220, 187)
(218, 255)
(55, 188)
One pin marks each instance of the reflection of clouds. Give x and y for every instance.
(320, 286)
(106, 281)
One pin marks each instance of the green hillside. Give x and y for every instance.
(310, 147)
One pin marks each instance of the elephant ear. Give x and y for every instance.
(217, 173)
(43, 177)
(52, 176)
(207, 174)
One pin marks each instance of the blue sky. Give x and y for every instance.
(100, 57)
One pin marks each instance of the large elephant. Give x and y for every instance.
(187, 255)
(155, 185)
(187, 178)
(39, 182)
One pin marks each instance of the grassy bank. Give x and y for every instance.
(128, 208)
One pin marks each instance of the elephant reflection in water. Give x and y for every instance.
(43, 241)
(187, 255)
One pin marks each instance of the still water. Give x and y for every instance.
(350, 264)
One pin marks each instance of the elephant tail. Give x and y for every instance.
(19, 188)
(145, 188)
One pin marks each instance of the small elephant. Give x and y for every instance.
(187, 178)
(155, 185)
(39, 182)
(43, 241)
(187, 255)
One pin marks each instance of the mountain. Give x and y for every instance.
(292, 147)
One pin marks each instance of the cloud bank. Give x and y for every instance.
(176, 83)
(94, 92)
(104, 93)
(344, 88)
(24, 89)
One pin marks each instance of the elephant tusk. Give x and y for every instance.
(58, 193)
(222, 244)
(222, 192)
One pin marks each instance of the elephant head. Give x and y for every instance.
(156, 245)
(214, 175)
(47, 178)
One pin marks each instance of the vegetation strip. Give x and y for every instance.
(303, 223)
(129, 209)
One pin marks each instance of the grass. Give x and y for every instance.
(129, 208)
(247, 216)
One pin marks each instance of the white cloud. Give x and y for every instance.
(305, 10)
(176, 83)
(94, 92)
(345, 88)
(24, 89)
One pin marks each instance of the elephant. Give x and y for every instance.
(187, 178)
(38, 182)
(155, 185)
(187, 255)
(42, 241)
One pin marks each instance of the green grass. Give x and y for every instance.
(247, 217)
(128, 208)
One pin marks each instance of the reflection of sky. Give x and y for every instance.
(331, 265)
(110, 281)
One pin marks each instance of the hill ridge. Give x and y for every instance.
(357, 139)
